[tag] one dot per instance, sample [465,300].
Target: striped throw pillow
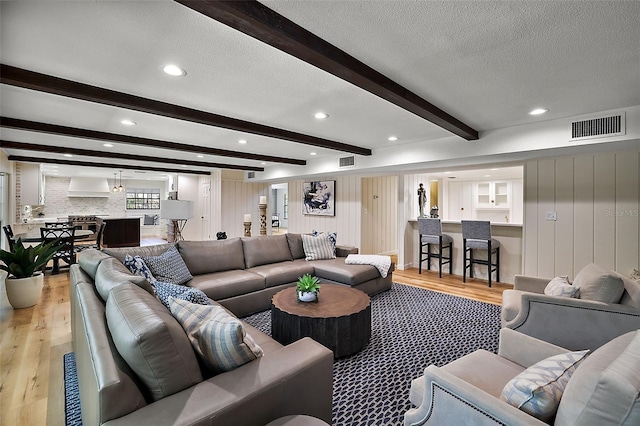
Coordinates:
[217,337]
[318,247]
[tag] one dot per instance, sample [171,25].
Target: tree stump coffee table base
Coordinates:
[340,320]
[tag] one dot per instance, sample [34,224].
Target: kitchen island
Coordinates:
[121,232]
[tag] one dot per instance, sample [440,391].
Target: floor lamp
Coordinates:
[178,212]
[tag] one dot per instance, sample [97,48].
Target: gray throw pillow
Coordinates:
[597,284]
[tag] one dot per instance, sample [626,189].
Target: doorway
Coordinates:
[279,208]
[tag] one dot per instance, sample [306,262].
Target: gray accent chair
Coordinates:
[573,323]
[604,389]
[431,233]
[476,235]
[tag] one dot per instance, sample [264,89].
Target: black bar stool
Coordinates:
[431,233]
[476,235]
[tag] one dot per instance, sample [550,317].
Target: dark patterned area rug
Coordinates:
[411,329]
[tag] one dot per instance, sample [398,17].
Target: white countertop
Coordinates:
[457,222]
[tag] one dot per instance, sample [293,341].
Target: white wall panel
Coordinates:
[379,215]
[238,199]
[546,228]
[604,198]
[583,207]
[530,231]
[564,209]
[626,213]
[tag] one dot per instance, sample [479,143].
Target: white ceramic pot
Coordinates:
[24,292]
[307,296]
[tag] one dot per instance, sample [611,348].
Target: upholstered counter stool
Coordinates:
[476,235]
[298,420]
[431,233]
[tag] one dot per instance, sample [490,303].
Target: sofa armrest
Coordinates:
[344,251]
[449,400]
[575,324]
[525,350]
[530,284]
[297,379]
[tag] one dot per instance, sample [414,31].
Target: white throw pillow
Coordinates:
[538,389]
[560,286]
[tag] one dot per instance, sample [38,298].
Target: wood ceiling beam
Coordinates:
[53,129]
[123,156]
[59,86]
[264,24]
[103,165]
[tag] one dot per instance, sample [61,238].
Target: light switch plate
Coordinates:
[550,216]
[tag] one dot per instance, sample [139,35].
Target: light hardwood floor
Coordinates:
[33,340]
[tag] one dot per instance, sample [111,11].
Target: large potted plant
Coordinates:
[24,268]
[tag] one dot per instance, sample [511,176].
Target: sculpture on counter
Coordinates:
[434,212]
[422,199]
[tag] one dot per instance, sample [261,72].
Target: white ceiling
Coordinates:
[487,63]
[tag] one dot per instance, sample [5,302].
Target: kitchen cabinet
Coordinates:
[31,184]
[121,232]
[460,201]
[493,195]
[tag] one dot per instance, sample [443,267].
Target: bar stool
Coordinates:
[476,235]
[431,233]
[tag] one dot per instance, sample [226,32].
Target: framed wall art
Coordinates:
[319,198]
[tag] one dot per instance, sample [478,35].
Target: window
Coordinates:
[143,199]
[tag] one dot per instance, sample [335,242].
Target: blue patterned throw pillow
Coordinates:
[137,266]
[169,267]
[217,337]
[166,290]
[538,389]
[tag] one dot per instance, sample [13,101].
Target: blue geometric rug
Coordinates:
[411,328]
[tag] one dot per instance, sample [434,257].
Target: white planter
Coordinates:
[24,292]
[307,296]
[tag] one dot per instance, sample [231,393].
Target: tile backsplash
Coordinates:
[58,204]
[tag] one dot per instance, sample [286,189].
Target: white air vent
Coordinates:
[251,175]
[348,161]
[598,127]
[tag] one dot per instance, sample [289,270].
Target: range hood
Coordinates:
[88,187]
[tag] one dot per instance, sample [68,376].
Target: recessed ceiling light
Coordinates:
[128,122]
[242,141]
[68,155]
[538,111]
[174,70]
[446,173]
[392,138]
[108,145]
[184,165]
[494,169]
[200,156]
[320,115]
[263,162]
[313,153]
[487,175]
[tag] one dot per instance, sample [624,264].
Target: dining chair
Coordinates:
[8,232]
[58,224]
[93,245]
[476,235]
[431,233]
[66,238]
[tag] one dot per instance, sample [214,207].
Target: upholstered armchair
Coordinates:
[601,391]
[607,305]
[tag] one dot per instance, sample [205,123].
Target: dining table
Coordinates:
[33,236]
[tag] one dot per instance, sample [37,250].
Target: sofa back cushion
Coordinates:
[120,252]
[631,295]
[604,389]
[111,274]
[597,284]
[151,341]
[265,249]
[205,257]
[295,245]
[90,259]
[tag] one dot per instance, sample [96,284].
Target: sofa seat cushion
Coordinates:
[599,285]
[604,389]
[472,368]
[222,285]
[283,272]
[511,304]
[151,341]
[265,249]
[337,270]
[205,257]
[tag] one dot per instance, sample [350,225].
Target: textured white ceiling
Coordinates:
[485,62]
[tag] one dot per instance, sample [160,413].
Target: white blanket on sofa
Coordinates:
[382,263]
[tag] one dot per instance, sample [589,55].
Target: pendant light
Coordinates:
[120,188]
[115,188]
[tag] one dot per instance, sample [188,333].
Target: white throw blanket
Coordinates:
[382,263]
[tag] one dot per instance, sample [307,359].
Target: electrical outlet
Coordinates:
[550,216]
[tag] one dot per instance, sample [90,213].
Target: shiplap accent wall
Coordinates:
[379,233]
[596,200]
[237,199]
[348,209]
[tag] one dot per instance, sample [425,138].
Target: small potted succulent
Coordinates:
[307,288]
[24,268]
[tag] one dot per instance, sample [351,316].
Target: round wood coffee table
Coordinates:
[340,320]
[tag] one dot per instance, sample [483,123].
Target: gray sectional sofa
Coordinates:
[162,381]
